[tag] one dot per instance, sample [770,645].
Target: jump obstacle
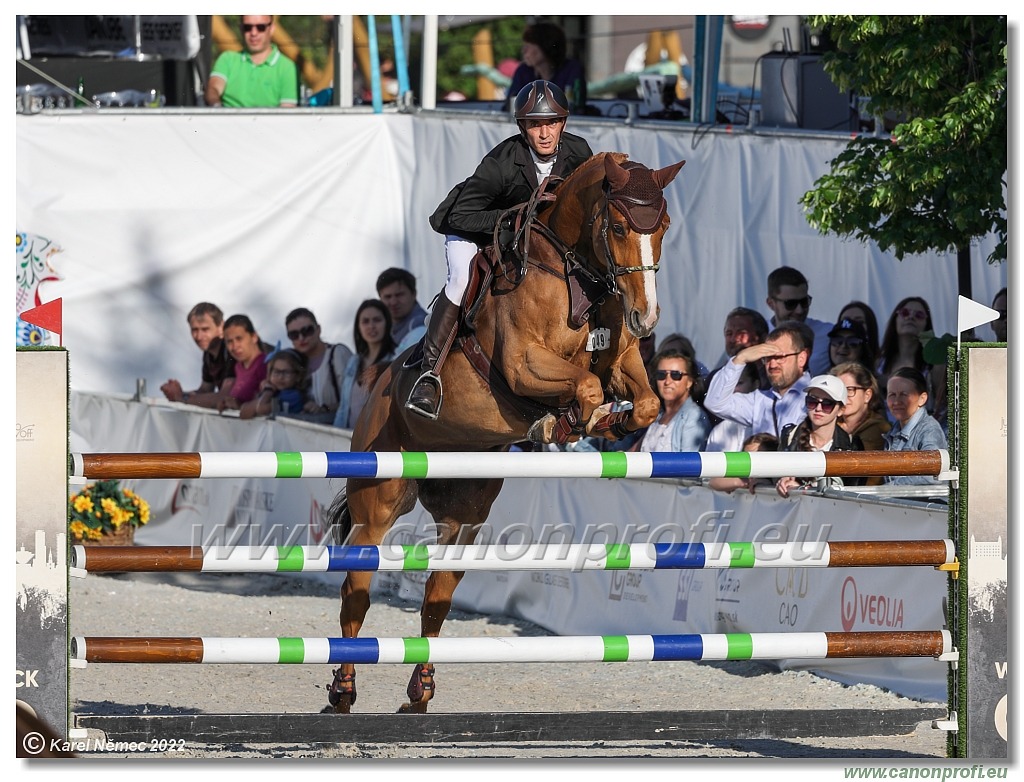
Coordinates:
[734,646]
[572,557]
[455,464]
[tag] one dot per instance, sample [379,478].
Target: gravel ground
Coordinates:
[270,605]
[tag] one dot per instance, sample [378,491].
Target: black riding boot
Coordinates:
[425,398]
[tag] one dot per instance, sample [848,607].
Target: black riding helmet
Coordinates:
[540,99]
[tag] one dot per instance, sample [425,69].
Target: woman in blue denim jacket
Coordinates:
[682,424]
[374,346]
[914,430]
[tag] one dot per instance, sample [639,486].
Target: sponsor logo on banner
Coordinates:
[867,609]
[625,586]
[24,433]
[792,585]
[555,580]
[684,588]
[727,601]
[189,496]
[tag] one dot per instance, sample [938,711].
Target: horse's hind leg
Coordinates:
[373,507]
[459,508]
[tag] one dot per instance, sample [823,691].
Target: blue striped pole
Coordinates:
[596,648]
[418,464]
[508,557]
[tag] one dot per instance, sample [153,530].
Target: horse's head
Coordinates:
[628,233]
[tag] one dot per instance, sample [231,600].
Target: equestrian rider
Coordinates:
[506,177]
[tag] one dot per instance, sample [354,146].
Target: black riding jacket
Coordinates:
[505,178]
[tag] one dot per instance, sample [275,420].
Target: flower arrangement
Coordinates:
[103,508]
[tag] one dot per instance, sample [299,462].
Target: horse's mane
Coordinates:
[595,163]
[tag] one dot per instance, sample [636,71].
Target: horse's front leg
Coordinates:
[459,508]
[543,374]
[628,381]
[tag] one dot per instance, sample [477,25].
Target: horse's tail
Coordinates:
[339,518]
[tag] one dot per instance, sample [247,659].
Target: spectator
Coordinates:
[682,425]
[819,431]
[755,442]
[863,314]
[743,327]
[862,415]
[729,435]
[544,55]
[784,356]
[325,365]
[999,324]
[848,341]
[374,345]
[902,346]
[914,430]
[206,322]
[249,353]
[397,289]
[508,175]
[284,389]
[788,300]
[259,76]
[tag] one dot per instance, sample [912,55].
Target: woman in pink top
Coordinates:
[247,350]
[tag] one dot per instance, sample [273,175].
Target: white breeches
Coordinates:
[459,253]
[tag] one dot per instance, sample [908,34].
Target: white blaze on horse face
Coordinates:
[650,315]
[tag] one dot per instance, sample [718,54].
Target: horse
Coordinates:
[553,333]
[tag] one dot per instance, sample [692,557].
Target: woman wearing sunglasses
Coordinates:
[325,365]
[682,424]
[902,347]
[819,431]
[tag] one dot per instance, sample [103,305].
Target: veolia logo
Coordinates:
[876,610]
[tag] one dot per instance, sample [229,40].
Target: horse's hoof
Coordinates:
[342,708]
[341,693]
[421,683]
[542,431]
[413,708]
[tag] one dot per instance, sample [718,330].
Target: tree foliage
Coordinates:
[939,182]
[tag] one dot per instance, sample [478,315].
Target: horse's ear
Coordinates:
[665,175]
[616,175]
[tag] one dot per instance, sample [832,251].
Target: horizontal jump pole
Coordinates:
[542,649]
[568,556]
[490,464]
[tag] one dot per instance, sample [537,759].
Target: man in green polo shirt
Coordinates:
[259,76]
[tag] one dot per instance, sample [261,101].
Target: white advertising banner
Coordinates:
[293,511]
[154,210]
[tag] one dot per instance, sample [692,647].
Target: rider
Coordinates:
[506,177]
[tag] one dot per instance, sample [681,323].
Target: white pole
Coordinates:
[346,54]
[428,90]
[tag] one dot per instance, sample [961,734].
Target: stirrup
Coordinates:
[427,412]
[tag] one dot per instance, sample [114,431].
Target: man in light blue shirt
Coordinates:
[784,355]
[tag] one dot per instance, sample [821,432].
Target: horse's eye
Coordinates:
[618,229]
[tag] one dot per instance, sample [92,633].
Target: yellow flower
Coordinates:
[82,503]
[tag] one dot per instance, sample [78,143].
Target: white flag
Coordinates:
[970,314]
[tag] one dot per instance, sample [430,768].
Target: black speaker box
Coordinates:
[797,93]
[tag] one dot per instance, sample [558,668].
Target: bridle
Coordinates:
[643,215]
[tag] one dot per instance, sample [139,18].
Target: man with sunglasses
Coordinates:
[788,300]
[261,76]
[784,357]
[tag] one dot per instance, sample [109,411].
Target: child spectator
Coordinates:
[283,392]
[762,441]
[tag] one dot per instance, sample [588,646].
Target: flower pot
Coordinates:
[125,536]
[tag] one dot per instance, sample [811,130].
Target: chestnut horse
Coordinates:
[545,343]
